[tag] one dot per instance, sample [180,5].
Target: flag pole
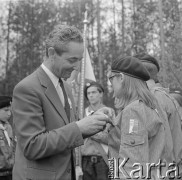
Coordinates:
[81,102]
[82,79]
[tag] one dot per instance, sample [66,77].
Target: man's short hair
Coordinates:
[60,36]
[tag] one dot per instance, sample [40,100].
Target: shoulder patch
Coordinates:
[133,126]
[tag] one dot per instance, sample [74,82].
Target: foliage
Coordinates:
[126,27]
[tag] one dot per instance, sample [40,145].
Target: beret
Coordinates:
[130,66]
[5,101]
[148,58]
[94,84]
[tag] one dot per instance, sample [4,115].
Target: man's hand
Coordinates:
[93,124]
[108,111]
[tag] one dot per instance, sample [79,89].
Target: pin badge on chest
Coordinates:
[133,126]
[69,101]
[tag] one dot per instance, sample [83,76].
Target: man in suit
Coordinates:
[44,113]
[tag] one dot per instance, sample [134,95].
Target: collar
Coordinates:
[151,83]
[53,78]
[158,85]
[90,109]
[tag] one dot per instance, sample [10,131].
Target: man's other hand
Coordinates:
[108,111]
[93,124]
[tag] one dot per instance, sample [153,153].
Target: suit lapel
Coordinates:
[51,94]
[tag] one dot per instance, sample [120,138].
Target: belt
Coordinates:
[93,159]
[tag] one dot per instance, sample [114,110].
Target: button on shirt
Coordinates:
[55,81]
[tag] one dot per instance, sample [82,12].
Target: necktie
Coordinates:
[66,103]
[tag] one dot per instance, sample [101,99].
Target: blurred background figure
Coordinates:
[177,94]
[95,149]
[167,104]
[6,139]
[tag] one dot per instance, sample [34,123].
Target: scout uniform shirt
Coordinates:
[170,107]
[137,137]
[6,149]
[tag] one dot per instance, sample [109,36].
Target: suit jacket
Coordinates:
[45,137]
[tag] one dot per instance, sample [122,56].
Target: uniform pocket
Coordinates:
[134,147]
[133,140]
[45,164]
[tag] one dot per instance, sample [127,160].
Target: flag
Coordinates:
[89,73]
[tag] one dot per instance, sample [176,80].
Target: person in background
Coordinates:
[44,112]
[138,134]
[95,149]
[177,95]
[6,139]
[167,104]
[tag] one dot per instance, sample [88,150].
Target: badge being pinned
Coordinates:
[69,101]
[133,128]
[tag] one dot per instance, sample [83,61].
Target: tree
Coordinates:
[115,27]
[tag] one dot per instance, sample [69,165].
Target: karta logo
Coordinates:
[123,169]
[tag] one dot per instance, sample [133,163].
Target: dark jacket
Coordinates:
[45,137]
[6,150]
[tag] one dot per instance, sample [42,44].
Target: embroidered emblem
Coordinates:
[133,128]
[88,84]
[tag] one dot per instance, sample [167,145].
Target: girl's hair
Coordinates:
[133,89]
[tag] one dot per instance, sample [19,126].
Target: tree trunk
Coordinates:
[99,43]
[114,29]
[123,27]
[162,36]
[7,50]
[134,43]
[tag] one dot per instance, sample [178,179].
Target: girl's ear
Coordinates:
[51,52]
[122,76]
